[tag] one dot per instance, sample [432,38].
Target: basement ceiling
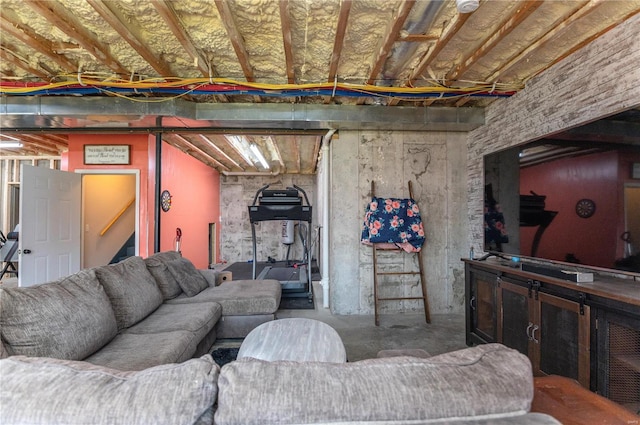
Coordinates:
[326,63]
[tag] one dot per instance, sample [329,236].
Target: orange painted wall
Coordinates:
[195,202]
[140,146]
[195,188]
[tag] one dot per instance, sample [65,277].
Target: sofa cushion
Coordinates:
[187,276]
[489,381]
[67,319]
[240,297]
[140,351]
[198,318]
[132,290]
[49,391]
[157,265]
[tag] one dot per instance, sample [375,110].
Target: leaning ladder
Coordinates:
[377,273]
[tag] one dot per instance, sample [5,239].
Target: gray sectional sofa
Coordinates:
[127,343]
[134,314]
[488,384]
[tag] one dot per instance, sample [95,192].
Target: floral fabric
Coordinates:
[495,232]
[393,221]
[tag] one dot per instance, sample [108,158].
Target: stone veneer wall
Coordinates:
[435,163]
[600,79]
[236,194]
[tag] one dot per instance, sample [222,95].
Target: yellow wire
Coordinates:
[174,82]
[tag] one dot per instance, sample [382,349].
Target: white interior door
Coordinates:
[49,241]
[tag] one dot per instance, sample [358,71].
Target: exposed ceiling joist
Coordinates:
[188,147]
[561,26]
[6,54]
[219,151]
[64,20]
[39,44]
[390,38]
[115,19]
[520,13]
[286,39]
[236,39]
[63,54]
[165,10]
[449,32]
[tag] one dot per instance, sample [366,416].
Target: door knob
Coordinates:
[26,251]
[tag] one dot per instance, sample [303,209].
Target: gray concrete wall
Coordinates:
[236,194]
[435,162]
[598,80]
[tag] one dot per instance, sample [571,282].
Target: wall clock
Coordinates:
[165,200]
[585,208]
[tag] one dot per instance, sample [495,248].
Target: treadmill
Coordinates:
[283,204]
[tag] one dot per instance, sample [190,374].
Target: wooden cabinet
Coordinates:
[552,331]
[481,307]
[618,351]
[588,332]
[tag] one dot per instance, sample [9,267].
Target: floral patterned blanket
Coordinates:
[393,223]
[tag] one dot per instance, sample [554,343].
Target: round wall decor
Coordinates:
[585,208]
[165,200]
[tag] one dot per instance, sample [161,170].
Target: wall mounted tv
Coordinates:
[573,197]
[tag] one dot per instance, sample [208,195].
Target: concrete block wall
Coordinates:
[435,162]
[236,194]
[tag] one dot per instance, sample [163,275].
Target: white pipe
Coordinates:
[326,140]
[250,173]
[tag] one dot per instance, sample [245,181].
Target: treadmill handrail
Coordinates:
[303,192]
[255,198]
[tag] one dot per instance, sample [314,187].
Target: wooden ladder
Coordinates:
[377,273]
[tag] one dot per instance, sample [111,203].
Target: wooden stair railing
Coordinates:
[117,217]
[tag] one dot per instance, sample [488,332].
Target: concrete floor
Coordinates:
[362,339]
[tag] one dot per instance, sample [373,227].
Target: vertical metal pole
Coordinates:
[255,255]
[158,181]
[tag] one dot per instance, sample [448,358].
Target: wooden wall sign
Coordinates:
[107,154]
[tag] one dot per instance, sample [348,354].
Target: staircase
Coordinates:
[127,250]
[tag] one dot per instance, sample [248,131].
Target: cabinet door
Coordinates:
[618,342]
[483,306]
[515,325]
[562,338]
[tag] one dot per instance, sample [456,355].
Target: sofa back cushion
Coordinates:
[132,290]
[489,380]
[49,391]
[157,265]
[187,276]
[67,319]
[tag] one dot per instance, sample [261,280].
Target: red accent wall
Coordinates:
[195,202]
[195,188]
[564,182]
[139,160]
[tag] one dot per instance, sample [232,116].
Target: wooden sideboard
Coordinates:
[589,332]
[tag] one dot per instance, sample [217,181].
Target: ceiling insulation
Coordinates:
[413,53]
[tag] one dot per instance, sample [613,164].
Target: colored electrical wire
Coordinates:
[75,84]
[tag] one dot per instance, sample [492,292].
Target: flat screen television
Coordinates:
[573,197]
